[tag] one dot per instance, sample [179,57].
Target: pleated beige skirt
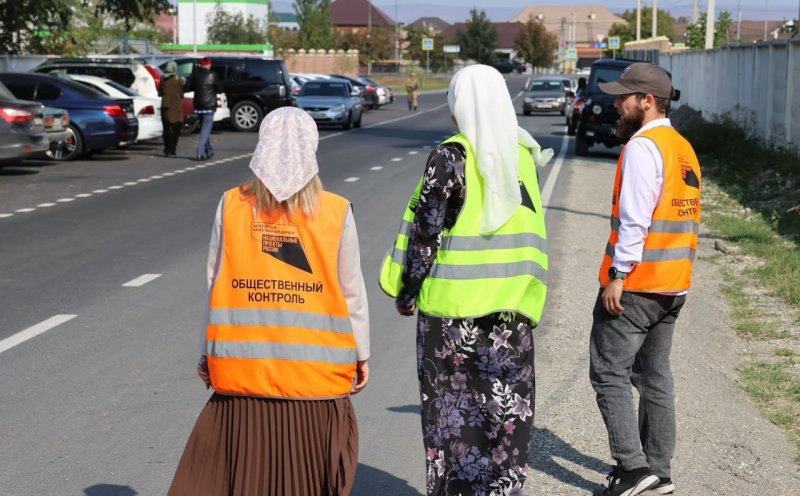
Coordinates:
[244,446]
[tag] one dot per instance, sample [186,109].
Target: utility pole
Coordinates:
[396,39]
[710,17]
[638,20]
[766,13]
[369,38]
[655,19]
[696,11]
[739,23]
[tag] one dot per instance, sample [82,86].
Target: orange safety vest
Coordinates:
[671,241]
[279,326]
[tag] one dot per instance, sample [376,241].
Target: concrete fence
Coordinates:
[321,61]
[756,85]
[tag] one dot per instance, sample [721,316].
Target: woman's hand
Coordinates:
[362,376]
[202,371]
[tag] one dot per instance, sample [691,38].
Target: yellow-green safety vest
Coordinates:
[473,274]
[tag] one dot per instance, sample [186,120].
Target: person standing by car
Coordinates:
[645,275]
[205,85]
[171,93]
[287,335]
[412,85]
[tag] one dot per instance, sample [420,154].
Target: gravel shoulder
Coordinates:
[724,446]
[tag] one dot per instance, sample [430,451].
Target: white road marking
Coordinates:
[413,152]
[169,173]
[65,200]
[396,159]
[83,195]
[377,167]
[141,280]
[3,216]
[115,187]
[33,331]
[143,180]
[45,205]
[547,190]
[130,183]
[351,179]
[156,177]
[25,210]
[100,191]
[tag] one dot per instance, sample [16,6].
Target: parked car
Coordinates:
[546,94]
[97,122]
[507,66]
[191,121]
[254,86]
[597,122]
[147,110]
[384,93]
[574,107]
[370,99]
[22,130]
[142,78]
[332,102]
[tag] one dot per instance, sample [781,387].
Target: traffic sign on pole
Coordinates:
[613,42]
[427,44]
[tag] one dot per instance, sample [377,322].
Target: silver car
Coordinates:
[332,102]
[546,94]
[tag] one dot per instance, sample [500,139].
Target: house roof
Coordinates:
[430,24]
[506,32]
[356,13]
[750,31]
[590,20]
[284,17]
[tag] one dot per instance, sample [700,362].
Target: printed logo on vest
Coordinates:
[688,175]
[282,241]
[526,198]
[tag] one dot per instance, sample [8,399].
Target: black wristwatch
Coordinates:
[613,273]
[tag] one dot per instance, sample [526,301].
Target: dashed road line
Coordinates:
[376,168]
[396,159]
[100,191]
[24,210]
[141,280]
[65,200]
[45,205]
[3,216]
[33,331]
[413,152]
[130,183]
[115,187]
[83,195]
[351,179]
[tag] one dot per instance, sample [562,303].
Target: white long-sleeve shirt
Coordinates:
[351,280]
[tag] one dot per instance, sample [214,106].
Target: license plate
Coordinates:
[317,115]
[544,105]
[37,122]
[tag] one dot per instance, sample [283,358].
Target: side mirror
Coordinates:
[581,83]
[676,96]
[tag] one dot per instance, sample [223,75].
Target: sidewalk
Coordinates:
[724,446]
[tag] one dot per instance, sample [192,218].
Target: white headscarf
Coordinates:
[480,102]
[285,159]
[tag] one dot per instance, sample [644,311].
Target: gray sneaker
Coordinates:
[665,486]
[629,483]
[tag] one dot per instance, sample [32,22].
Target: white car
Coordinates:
[147,110]
[222,111]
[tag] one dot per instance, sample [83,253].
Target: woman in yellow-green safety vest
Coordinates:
[471,255]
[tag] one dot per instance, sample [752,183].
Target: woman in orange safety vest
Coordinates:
[287,334]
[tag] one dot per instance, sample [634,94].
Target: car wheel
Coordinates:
[70,149]
[526,112]
[357,123]
[246,116]
[349,122]
[581,146]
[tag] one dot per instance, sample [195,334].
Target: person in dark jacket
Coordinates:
[205,85]
[171,92]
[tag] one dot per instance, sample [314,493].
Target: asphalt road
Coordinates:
[101,402]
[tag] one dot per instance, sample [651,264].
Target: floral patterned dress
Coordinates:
[476,375]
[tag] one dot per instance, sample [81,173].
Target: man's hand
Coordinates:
[202,371]
[407,312]
[362,376]
[611,296]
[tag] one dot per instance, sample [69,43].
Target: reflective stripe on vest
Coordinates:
[474,274]
[278,322]
[671,242]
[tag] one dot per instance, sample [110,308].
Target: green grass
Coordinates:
[427,83]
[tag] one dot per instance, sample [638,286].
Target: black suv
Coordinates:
[506,66]
[597,121]
[254,86]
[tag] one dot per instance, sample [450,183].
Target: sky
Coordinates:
[502,10]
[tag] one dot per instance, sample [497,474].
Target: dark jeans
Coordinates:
[204,147]
[635,348]
[171,134]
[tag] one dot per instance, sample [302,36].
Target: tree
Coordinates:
[375,45]
[627,30]
[226,28]
[23,21]
[414,51]
[536,45]
[130,12]
[696,33]
[314,18]
[479,40]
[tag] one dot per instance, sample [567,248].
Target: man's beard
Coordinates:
[626,126]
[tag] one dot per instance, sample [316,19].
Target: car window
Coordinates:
[5,93]
[604,75]
[312,88]
[122,75]
[546,85]
[225,71]
[261,70]
[90,85]
[47,91]
[83,90]
[185,69]
[23,90]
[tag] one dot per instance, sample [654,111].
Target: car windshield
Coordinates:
[312,88]
[546,85]
[605,75]
[121,89]
[5,93]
